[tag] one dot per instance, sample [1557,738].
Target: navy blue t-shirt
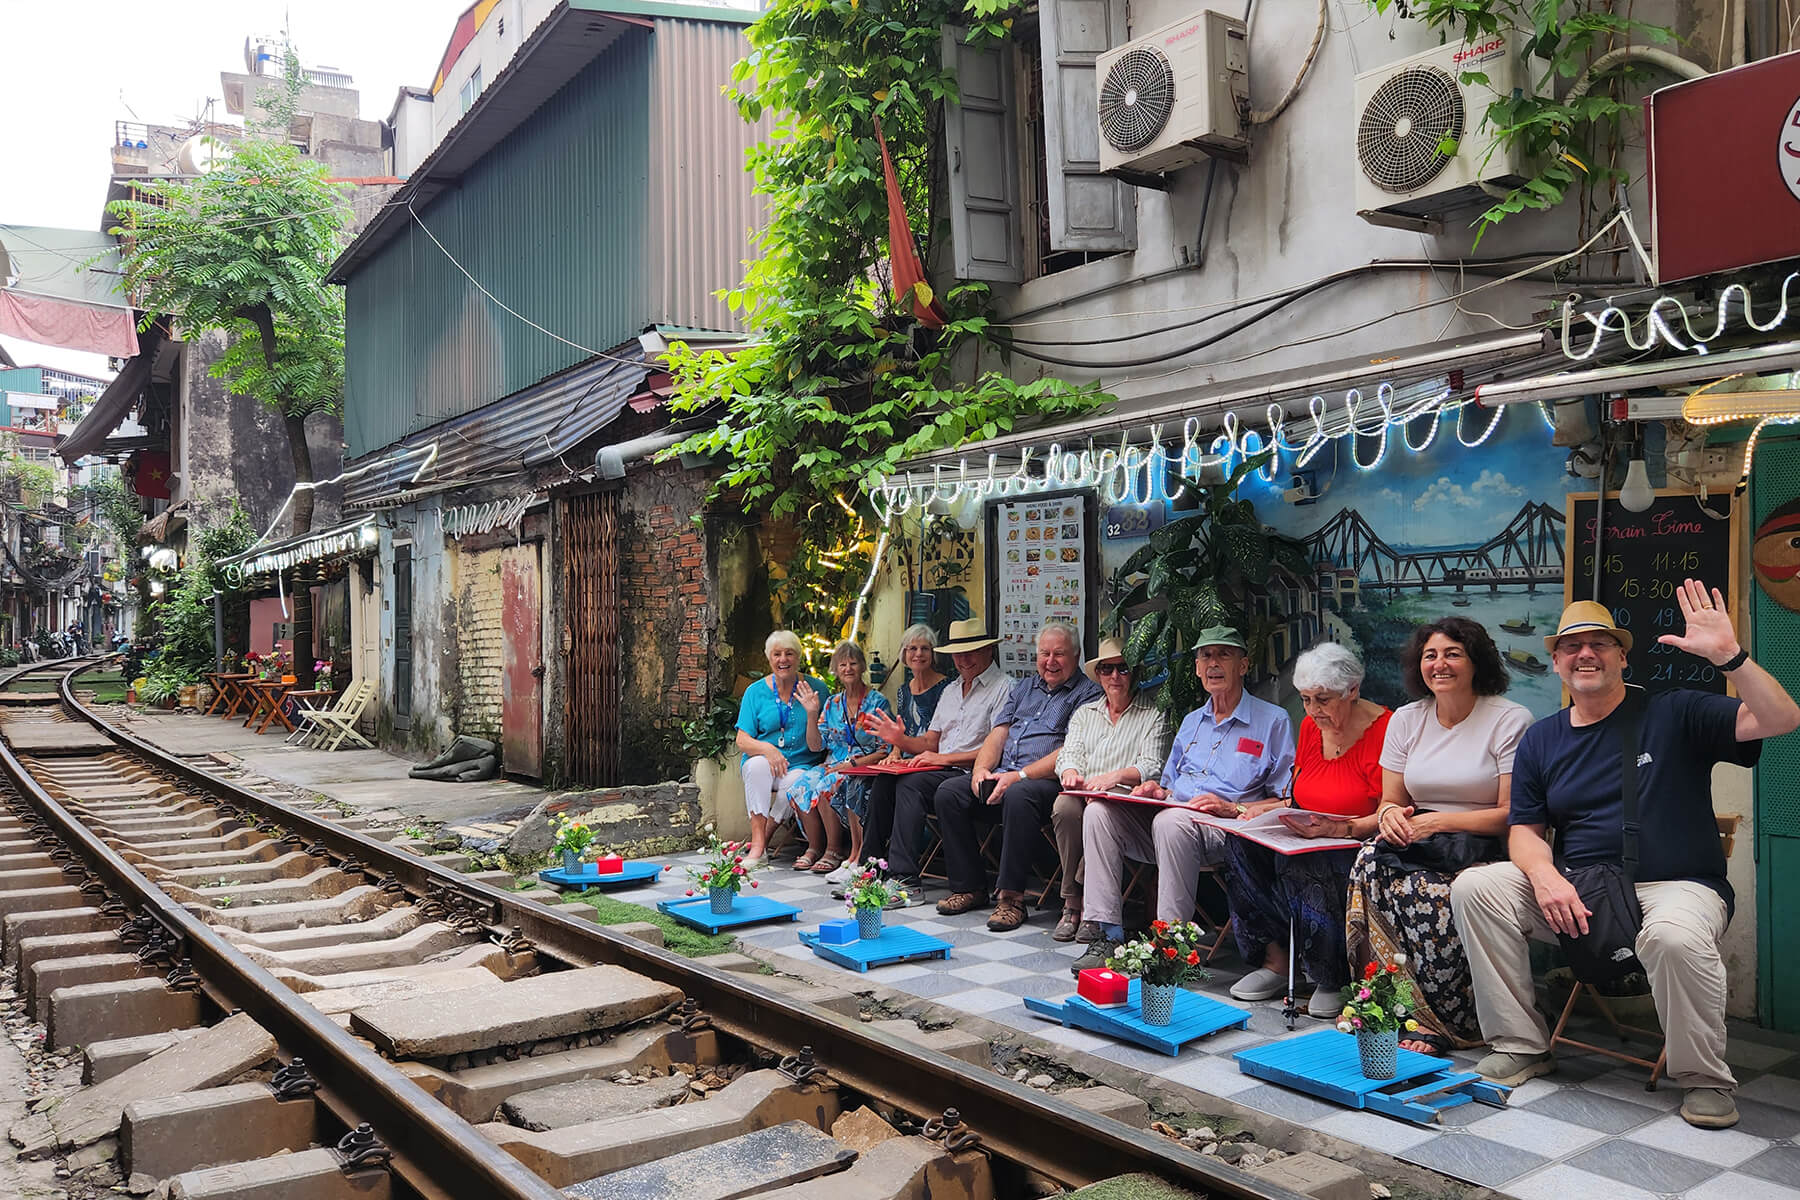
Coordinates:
[1568,778]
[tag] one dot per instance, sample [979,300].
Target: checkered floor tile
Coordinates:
[1589,1130]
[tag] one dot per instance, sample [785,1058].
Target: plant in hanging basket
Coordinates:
[1380,1002]
[724,867]
[867,889]
[1167,952]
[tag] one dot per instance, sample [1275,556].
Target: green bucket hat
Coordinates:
[1220,635]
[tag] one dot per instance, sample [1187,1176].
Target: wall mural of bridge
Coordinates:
[1527,551]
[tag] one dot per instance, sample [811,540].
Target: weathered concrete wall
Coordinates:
[434,642]
[627,820]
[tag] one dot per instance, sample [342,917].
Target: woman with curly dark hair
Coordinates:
[1446,771]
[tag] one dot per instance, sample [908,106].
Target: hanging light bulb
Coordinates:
[1637,494]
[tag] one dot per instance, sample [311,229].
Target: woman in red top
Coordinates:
[1337,773]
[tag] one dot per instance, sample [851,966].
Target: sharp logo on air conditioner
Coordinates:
[1487,47]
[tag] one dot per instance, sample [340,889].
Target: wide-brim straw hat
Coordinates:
[1110,648]
[968,635]
[1585,616]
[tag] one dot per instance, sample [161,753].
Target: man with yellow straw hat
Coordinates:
[1637,880]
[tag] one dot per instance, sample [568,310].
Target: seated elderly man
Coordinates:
[1233,757]
[1579,771]
[1014,781]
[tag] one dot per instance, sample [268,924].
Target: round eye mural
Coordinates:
[1776,555]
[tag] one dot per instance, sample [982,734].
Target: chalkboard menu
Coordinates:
[1643,558]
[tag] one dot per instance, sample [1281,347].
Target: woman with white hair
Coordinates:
[778,731]
[830,802]
[1337,774]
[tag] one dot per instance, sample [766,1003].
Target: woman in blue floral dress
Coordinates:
[829,802]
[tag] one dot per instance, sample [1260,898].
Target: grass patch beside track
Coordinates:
[681,939]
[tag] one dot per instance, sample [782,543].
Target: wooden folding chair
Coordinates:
[1727,827]
[313,723]
[339,723]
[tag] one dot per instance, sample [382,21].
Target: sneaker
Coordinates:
[839,876]
[1260,984]
[1326,1003]
[960,903]
[1068,925]
[1089,932]
[1095,956]
[1709,1108]
[1510,1070]
[1009,914]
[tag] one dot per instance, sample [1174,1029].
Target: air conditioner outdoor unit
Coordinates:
[1407,111]
[1175,96]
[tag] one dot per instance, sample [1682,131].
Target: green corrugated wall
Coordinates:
[424,345]
[1774,481]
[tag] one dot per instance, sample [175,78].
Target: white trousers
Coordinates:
[1496,912]
[765,795]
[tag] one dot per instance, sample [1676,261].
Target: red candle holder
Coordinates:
[1099,985]
[612,864]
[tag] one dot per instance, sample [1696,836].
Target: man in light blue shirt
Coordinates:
[1233,757]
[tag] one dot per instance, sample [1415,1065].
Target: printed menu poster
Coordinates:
[1042,573]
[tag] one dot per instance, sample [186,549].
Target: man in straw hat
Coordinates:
[1232,757]
[1013,781]
[964,716]
[1568,775]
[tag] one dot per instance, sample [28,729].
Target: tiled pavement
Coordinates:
[1590,1130]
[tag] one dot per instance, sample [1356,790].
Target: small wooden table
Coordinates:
[301,700]
[267,695]
[231,691]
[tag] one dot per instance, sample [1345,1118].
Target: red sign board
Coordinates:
[1725,169]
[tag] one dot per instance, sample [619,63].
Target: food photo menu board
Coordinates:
[1041,562]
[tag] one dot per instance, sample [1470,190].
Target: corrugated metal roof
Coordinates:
[534,426]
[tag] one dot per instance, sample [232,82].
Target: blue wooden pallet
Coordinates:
[1326,1064]
[897,943]
[639,871]
[745,910]
[1194,1016]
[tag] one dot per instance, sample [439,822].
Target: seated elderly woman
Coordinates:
[1337,775]
[829,802]
[1446,784]
[778,731]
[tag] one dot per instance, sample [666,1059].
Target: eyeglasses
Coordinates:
[1572,645]
[1112,668]
[1319,701]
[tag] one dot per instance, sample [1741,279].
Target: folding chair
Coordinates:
[339,724]
[311,723]
[1727,827]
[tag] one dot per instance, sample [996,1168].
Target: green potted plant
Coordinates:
[1376,1008]
[1198,571]
[868,896]
[571,838]
[1161,959]
[723,875]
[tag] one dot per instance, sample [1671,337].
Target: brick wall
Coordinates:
[479,643]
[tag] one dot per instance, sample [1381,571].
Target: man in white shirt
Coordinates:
[964,717]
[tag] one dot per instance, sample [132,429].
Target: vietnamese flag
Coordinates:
[903,252]
[150,474]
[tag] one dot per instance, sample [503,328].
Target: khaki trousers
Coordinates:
[1168,837]
[1496,911]
[1065,819]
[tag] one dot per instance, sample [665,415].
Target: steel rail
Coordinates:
[1035,1130]
[435,1151]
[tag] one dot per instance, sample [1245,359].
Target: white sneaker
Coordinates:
[1260,984]
[841,875]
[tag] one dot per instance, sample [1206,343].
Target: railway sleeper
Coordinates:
[357,903]
[48,975]
[165,1136]
[307,1175]
[102,1060]
[90,1012]
[18,928]
[390,924]
[499,964]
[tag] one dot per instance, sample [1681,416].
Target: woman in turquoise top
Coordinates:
[778,731]
[829,802]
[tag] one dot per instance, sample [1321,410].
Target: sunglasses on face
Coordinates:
[1111,668]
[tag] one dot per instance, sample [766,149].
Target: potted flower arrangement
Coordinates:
[322,674]
[723,875]
[868,896]
[1376,1008]
[572,838]
[1162,958]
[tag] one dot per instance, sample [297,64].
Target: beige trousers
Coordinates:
[1496,912]
[1112,833]
[1065,821]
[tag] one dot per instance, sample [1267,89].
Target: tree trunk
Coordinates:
[303,575]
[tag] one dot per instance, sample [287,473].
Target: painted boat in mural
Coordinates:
[1460,602]
[1518,627]
[1531,664]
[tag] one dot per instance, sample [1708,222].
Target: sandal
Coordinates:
[831,861]
[1434,1043]
[805,862]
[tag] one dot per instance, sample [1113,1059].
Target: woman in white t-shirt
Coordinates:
[1446,770]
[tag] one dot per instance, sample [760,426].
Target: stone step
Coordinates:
[586,1100]
[164,1136]
[307,1175]
[526,1010]
[753,1101]
[225,1050]
[475,1092]
[779,1156]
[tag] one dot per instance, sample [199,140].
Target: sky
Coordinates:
[73,67]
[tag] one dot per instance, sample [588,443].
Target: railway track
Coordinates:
[273,1003]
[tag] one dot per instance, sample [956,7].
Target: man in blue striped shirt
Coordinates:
[1232,757]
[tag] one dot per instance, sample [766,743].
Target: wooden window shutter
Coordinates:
[1088,210]
[981,140]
